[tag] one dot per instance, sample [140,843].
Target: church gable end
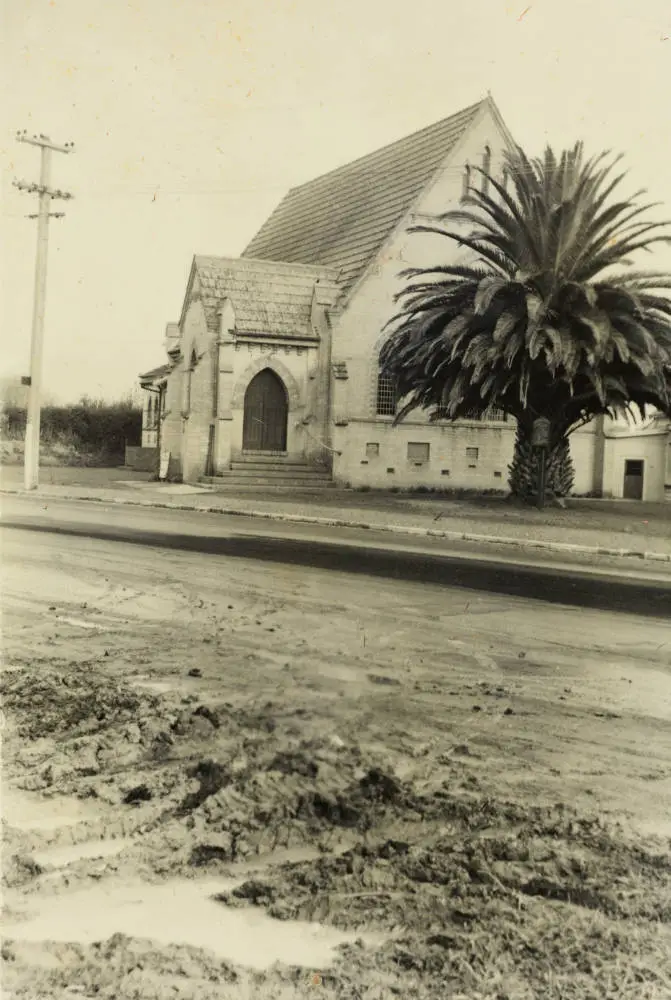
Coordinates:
[343,218]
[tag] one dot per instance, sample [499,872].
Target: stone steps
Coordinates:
[271,473]
[224,484]
[253,469]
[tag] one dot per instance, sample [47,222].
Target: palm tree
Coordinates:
[543,322]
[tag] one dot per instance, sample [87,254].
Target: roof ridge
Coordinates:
[472,109]
[342,217]
[266,262]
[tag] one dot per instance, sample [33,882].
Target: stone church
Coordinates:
[272,372]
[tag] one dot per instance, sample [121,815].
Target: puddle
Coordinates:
[161,687]
[660,828]
[29,811]
[180,912]
[68,854]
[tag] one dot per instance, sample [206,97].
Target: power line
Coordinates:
[45,196]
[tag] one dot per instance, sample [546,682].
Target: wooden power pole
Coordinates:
[46,194]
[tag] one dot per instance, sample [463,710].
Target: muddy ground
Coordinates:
[228,779]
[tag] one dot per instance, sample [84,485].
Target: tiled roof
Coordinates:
[267,297]
[342,218]
[156,373]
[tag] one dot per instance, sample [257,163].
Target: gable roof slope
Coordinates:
[342,218]
[268,297]
[155,373]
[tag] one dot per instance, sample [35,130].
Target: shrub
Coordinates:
[87,428]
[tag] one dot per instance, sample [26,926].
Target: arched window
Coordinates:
[189,381]
[466,183]
[387,395]
[486,166]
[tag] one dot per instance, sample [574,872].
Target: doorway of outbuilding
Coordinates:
[633,479]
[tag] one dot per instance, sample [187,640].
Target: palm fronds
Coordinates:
[540,322]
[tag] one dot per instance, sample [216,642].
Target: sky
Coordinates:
[192,118]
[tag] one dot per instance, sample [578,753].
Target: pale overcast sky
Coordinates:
[193,117]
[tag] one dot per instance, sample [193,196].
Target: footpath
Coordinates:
[586,527]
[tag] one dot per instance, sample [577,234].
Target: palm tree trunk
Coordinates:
[523,471]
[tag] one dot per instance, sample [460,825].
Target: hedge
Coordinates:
[90,427]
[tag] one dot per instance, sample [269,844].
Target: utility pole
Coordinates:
[46,194]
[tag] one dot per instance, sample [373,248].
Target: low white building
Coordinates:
[273,366]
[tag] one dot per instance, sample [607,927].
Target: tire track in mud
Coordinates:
[334,781]
[426,863]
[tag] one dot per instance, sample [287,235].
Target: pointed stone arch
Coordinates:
[276,366]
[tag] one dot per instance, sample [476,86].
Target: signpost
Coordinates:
[540,442]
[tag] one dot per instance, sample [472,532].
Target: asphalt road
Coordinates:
[607,587]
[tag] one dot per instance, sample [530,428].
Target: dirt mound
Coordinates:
[286,800]
[619,880]
[55,702]
[479,900]
[138,969]
[81,724]
[362,804]
[294,762]
[488,897]
[211,777]
[18,869]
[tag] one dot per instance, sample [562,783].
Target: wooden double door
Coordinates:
[266,414]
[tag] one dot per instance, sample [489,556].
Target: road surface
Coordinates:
[611,585]
[297,664]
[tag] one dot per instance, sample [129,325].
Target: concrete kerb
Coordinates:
[395,529]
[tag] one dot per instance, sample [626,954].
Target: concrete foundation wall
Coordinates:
[470,455]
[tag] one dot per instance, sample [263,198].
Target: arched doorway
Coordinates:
[266,413]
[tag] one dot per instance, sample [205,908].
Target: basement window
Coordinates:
[418,452]
[497,475]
